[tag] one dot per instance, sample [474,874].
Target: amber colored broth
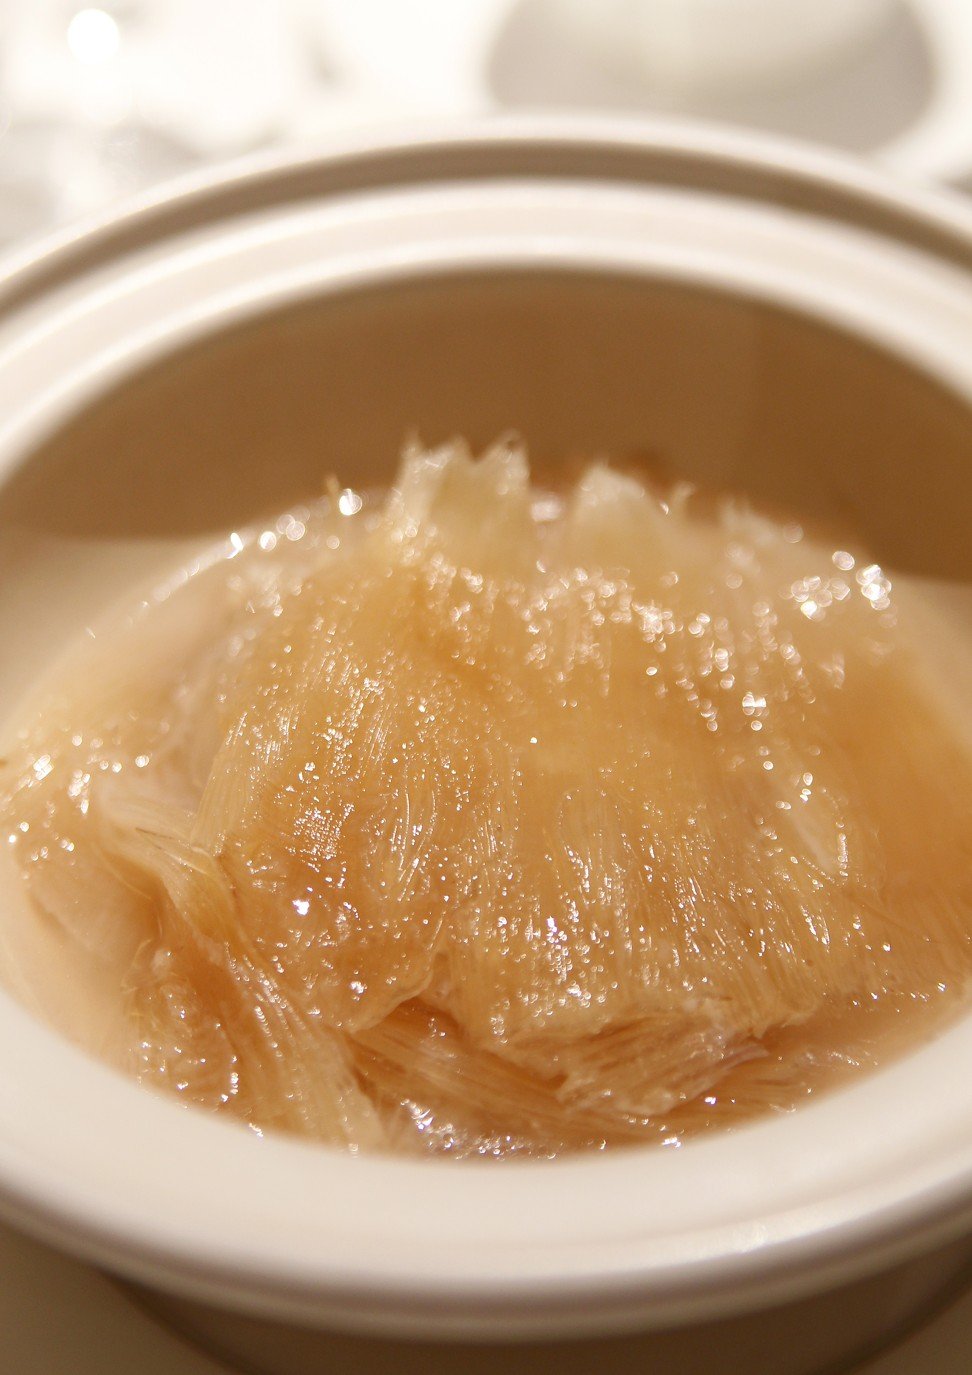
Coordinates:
[917,776]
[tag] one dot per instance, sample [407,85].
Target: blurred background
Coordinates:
[101,100]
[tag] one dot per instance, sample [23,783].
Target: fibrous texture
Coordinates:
[482,819]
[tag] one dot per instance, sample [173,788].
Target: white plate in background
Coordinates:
[89,122]
[903,98]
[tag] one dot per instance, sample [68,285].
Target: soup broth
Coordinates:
[484,817]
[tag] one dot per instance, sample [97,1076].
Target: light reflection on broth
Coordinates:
[492,820]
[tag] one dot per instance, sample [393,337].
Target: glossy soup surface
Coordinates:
[482,818]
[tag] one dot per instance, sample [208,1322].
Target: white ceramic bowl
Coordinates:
[762,317]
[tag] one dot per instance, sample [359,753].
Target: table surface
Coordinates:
[59,1317]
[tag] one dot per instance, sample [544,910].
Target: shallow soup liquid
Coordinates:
[482,818]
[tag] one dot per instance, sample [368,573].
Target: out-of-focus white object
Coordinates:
[103,98]
[896,87]
[426,59]
[890,79]
[937,145]
[218,77]
[223,75]
[720,45]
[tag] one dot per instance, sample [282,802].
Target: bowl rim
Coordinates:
[603,147]
[815,1248]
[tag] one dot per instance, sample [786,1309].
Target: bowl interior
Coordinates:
[694,381]
[697,381]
